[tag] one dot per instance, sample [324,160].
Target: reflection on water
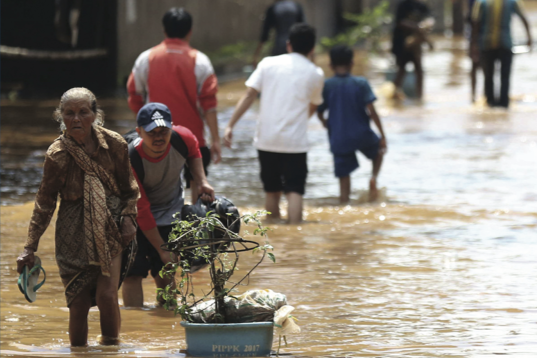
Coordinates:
[444,266]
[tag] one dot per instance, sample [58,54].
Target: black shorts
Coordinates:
[285,172]
[206,158]
[147,257]
[404,57]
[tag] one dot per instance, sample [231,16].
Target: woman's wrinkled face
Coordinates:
[78,118]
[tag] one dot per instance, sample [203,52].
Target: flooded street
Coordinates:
[443,265]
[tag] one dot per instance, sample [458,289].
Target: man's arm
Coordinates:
[317,96]
[204,189]
[320,115]
[147,223]
[312,109]
[212,123]
[245,102]
[526,26]
[207,89]
[375,117]
[157,241]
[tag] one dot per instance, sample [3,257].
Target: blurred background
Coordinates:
[50,45]
[443,265]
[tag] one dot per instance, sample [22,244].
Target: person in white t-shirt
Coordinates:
[291,89]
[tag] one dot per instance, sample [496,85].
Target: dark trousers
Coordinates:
[489,59]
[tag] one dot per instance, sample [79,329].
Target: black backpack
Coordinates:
[136,161]
[225,210]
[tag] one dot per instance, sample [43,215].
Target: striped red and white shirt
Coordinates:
[179,76]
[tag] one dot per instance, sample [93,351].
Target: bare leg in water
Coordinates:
[473,76]
[272,204]
[398,82]
[418,69]
[78,319]
[294,208]
[373,190]
[344,189]
[106,296]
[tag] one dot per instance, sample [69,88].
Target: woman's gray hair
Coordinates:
[79,93]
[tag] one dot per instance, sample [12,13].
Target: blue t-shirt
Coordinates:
[494,18]
[346,97]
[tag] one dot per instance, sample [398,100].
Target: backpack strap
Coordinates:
[136,162]
[179,144]
[131,136]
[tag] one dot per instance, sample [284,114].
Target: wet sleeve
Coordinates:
[268,23]
[324,106]
[190,140]
[127,184]
[207,96]
[256,78]
[145,218]
[135,100]
[368,95]
[45,201]
[206,81]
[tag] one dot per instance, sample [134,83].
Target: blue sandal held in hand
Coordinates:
[28,280]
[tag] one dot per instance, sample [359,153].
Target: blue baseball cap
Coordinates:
[154,115]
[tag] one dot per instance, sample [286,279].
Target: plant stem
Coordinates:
[219,283]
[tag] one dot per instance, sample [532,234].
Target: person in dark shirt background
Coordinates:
[492,43]
[475,59]
[408,35]
[280,16]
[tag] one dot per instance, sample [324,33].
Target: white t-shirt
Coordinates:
[288,84]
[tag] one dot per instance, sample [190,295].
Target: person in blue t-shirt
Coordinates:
[349,101]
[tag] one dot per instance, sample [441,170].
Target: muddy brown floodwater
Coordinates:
[443,265]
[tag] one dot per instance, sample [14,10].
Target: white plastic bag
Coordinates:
[251,306]
[284,322]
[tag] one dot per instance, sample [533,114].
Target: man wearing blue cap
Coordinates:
[157,158]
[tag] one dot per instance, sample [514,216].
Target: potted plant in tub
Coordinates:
[216,322]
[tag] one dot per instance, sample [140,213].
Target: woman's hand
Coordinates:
[26,258]
[128,229]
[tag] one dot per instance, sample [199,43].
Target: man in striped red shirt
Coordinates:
[183,79]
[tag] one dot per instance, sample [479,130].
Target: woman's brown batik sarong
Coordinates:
[71,256]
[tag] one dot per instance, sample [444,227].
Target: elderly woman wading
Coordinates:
[89,167]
